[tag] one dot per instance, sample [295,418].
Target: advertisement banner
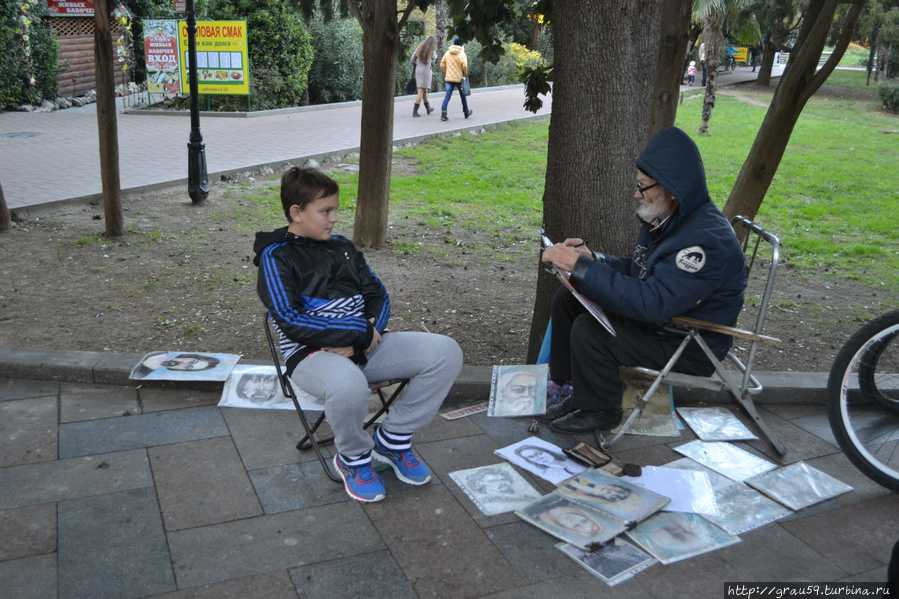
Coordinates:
[161,52]
[222,65]
[70,8]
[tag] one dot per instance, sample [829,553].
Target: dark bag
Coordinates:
[466,87]
[411,87]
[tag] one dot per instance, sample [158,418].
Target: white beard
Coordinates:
[652,215]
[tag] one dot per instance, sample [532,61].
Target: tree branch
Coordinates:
[838,50]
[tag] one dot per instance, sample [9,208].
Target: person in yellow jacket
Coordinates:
[455,64]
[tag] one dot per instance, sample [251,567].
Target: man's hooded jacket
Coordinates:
[691,266]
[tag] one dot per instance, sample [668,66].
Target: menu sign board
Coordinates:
[222,65]
[70,8]
[161,52]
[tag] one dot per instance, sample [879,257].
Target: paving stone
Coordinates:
[28,429]
[266,438]
[158,400]
[800,444]
[532,552]
[270,585]
[582,585]
[506,431]
[29,578]
[438,546]
[846,536]
[268,543]
[647,455]
[27,531]
[361,577]
[202,482]
[113,546]
[772,553]
[440,428]
[78,477]
[89,402]
[128,432]
[295,486]
[818,425]
[700,576]
[24,388]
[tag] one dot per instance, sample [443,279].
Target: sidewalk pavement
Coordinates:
[116,490]
[54,157]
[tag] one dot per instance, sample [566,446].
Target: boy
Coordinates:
[331,311]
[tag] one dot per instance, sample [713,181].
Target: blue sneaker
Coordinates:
[362,482]
[406,464]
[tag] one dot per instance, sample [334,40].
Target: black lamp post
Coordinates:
[197,180]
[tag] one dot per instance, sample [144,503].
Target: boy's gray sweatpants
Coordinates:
[430,362]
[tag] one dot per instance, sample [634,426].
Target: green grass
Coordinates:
[835,188]
[831,202]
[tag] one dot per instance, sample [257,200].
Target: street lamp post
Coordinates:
[197,180]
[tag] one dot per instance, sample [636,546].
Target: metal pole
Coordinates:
[197,180]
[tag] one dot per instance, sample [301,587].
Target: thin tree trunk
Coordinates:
[673,45]
[440,19]
[801,79]
[380,44]
[599,124]
[714,43]
[766,65]
[106,121]
[5,221]
[871,55]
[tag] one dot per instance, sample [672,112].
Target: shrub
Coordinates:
[889,95]
[336,73]
[508,69]
[15,85]
[280,49]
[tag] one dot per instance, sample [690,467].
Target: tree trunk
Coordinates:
[799,82]
[766,65]
[599,124]
[5,221]
[714,43]
[871,56]
[440,25]
[673,44]
[380,44]
[106,121]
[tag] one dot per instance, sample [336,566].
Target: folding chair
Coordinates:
[310,440]
[742,385]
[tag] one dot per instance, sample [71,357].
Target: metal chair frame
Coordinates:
[742,387]
[309,440]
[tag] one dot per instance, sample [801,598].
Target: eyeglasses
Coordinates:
[640,190]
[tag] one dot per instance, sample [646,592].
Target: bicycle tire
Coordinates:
[864,421]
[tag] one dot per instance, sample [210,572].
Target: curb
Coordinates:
[472,385]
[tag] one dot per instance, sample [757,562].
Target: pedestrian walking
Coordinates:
[702,62]
[455,64]
[421,62]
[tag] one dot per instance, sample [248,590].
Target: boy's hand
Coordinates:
[346,352]
[375,340]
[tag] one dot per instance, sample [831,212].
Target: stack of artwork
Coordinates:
[615,527]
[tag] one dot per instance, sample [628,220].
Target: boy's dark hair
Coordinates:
[302,186]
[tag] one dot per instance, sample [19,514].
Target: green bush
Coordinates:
[280,50]
[508,70]
[15,87]
[889,95]
[336,73]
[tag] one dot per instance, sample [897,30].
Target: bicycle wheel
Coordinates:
[863,400]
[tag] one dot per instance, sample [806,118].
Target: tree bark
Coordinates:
[380,44]
[673,43]
[766,65]
[599,124]
[801,79]
[106,121]
[714,43]
[440,24]
[5,221]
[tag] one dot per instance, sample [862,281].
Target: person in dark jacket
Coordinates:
[331,312]
[687,262]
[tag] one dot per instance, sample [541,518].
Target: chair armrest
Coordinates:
[685,321]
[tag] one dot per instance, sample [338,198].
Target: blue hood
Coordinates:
[672,159]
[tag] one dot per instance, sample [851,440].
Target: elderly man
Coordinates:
[687,262]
